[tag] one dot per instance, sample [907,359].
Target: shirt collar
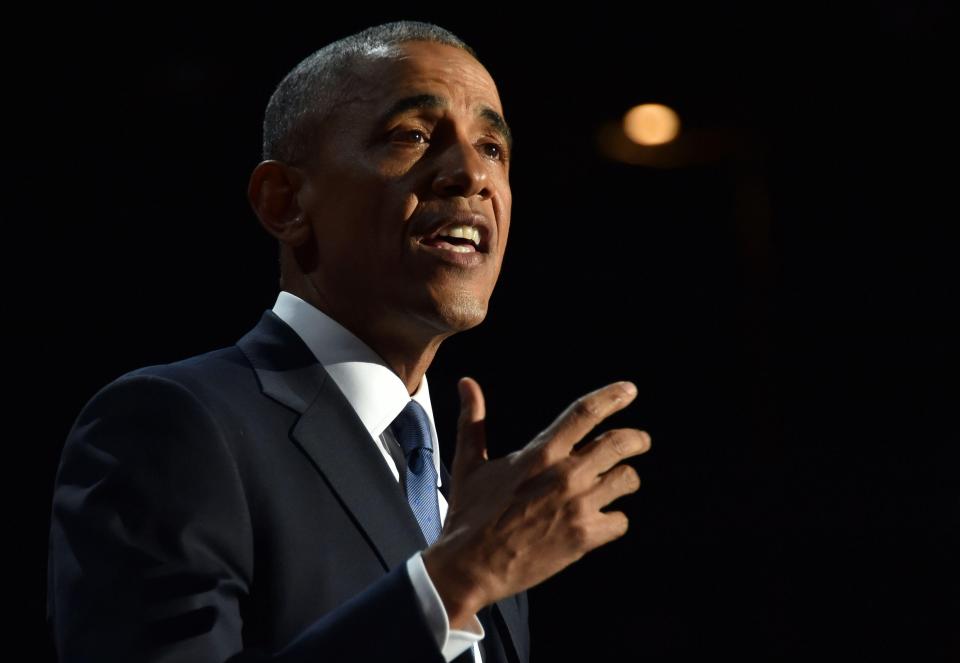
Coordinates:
[375,392]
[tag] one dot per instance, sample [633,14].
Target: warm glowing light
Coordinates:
[651,124]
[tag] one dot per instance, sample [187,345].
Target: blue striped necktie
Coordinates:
[412,430]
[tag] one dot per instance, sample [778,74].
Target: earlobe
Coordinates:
[272,192]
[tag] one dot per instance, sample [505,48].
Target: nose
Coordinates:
[461,172]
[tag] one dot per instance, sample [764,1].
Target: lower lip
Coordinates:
[470,259]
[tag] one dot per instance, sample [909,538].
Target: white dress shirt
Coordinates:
[378,395]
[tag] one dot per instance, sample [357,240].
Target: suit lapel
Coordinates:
[333,437]
[341,449]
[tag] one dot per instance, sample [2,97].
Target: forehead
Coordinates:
[426,68]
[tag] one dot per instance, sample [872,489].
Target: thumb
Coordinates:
[471,449]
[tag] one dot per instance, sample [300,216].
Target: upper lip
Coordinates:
[436,223]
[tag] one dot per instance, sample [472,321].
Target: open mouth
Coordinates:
[459,238]
[456,244]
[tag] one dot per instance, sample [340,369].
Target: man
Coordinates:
[277,500]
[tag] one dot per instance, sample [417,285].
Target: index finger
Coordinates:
[584,414]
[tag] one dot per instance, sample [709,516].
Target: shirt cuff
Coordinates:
[450,642]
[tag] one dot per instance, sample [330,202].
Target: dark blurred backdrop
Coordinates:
[782,289]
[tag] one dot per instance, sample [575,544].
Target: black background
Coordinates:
[784,296]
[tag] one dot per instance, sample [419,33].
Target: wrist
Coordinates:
[458,588]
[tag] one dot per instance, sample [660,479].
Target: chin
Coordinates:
[460,311]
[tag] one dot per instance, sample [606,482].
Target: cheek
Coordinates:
[410,206]
[501,210]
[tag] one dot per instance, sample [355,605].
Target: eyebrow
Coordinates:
[433,102]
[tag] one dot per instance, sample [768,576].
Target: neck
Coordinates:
[406,345]
[408,358]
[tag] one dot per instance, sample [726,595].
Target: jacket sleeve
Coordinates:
[151,546]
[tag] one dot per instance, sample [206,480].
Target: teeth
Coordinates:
[464,232]
[460,249]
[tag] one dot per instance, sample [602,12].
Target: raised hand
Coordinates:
[515,521]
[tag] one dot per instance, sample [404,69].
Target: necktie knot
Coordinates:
[412,428]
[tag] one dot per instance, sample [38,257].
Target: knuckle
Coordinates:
[576,510]
[580,536]
[586,408]
[619,443]
[565,480]
[540,459]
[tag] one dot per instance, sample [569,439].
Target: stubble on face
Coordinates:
[457,309]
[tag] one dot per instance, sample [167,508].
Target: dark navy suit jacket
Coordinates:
[232,506]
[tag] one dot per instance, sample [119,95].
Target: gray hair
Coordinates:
[307,95]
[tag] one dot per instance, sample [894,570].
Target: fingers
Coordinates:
[613,525]
[621,480]
[611,447]
[584,414]
[601,530]
[471,448]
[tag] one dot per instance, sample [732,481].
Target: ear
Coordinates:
[272,192]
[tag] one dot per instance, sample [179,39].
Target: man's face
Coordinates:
[418,148]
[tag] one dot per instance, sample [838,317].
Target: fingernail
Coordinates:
[629,387]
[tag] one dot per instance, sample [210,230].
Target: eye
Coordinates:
[494,151]
[412,134]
